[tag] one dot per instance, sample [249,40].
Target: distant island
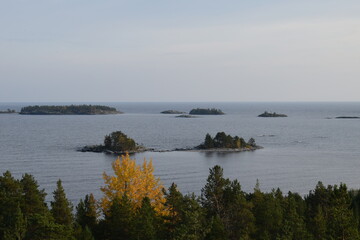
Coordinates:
[68,110]
[185,116]
[270,114]
[172,112]
[224,142]
[8,111]
[206,111]
[116,143]
[347,117]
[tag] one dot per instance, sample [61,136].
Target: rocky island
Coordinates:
[116,143]
[68,110]
[224,143]
[270,114]
[185,116]
[8,111]
[172,112]
[206,111]
[227,142]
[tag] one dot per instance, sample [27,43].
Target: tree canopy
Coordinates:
[133,181]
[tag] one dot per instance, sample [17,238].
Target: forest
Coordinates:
[68,110]
[135,206]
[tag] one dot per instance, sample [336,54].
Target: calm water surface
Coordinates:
[299,151]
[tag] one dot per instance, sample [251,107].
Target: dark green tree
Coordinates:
[174,204]
[119,223]
[238,219]
[86,213]
[217,230]
[118,141]
[212,197]
[11,217]
[34,199]
[61,208]
[209,142]
[146,222]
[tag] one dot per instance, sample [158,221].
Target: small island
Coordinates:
[206,111]
[172,112]
[68,110]
[270,114]
[8,111]
[347,117]
[223,142]
[185,116]
[119,143]
[116,143]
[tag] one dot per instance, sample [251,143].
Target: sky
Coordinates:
[179,51]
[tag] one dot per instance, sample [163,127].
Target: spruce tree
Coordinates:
[34,199]
[61,208]
[10,199]
[86,213]
[119,220]
[146,222]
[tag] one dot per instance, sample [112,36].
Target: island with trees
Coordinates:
[272,114]
[172,112]
[68,110]
[347,117]
[223,142]
[206,111]
[116,143]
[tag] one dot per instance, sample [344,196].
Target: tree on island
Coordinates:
[221,140]
[119,142]
[206,111]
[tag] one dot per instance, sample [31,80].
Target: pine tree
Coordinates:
[212,193]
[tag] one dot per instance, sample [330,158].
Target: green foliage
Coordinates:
[119,223]
[119,142]
[86,213]
[146,222]
[204,111]
[221,140]
[10,199]
[185,219]
[61,208]
[224,212]
[68,110]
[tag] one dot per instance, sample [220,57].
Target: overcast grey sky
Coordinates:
[188,50]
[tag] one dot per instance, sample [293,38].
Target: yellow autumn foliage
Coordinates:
[136,181]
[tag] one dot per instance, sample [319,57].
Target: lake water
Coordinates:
[299,150]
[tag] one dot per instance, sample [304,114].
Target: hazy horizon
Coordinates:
[187,51]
